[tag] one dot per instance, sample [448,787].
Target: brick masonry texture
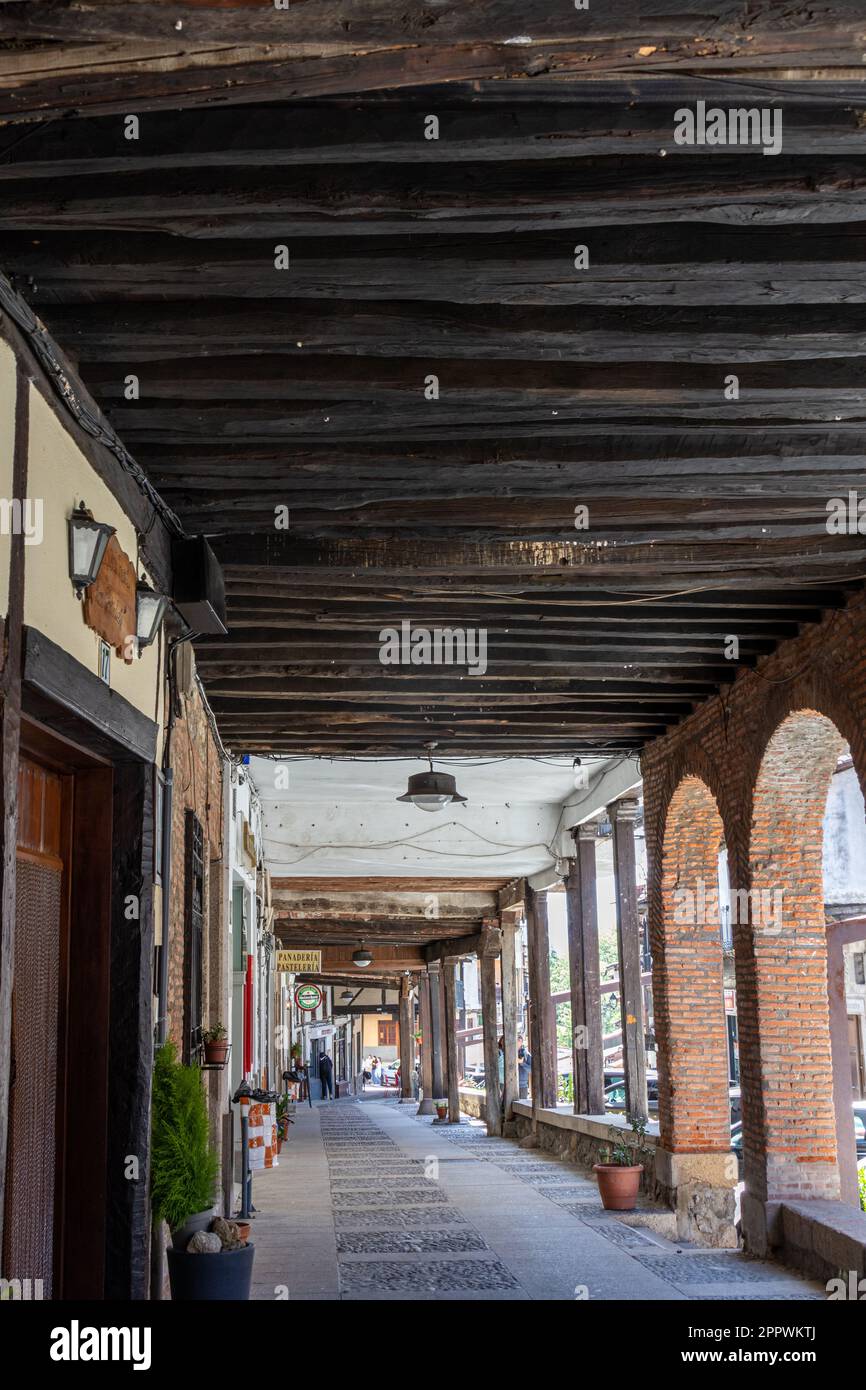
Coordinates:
[752,767]
[195,760]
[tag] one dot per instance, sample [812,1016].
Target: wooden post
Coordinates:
[585,976]
[492,1103]
[542,1036]
[426,1012]
[622,816]
[437,1028]
[450,1040]
[407,1051]
[508,965]
[10,715]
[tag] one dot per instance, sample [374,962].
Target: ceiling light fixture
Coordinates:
[430,791]
[362,957]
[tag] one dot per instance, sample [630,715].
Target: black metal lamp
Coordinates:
[149,612]
[363,957]
[87,542]
[430,791]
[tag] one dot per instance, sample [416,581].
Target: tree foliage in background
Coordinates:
[560,983]
[184,1166]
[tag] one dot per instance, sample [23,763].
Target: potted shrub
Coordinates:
[284,1102]
[184,1172]
[618,1175]
[216,1047]
[441,1107]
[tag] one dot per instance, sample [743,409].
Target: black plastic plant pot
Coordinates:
[205,1278]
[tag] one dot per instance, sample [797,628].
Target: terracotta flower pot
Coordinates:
[441,1111]
[618,1185]
[243,1229]
[215,1053]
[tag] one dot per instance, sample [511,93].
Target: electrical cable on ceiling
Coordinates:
[70,393]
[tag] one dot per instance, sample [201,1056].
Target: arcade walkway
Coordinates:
[370,1202]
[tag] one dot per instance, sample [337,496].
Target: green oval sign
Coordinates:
[308,997]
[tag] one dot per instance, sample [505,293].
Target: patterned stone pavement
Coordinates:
[373,1202]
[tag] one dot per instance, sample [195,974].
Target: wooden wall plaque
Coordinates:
[109,602]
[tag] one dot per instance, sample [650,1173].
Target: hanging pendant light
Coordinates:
[362,957]
[430,791]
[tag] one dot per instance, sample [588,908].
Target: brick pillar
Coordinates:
[789,1127]
[694,1166]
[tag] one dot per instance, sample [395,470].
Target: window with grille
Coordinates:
[193,935]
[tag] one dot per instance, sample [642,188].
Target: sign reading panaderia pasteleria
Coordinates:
[300,962]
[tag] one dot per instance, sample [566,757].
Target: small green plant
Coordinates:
[624,1153]
[184,1166]
[566,1088]
[861,1178]
[216,1034]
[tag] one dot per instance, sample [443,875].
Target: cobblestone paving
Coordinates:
[416,1277]
[406,1228]
[384,1220]
[404,1242]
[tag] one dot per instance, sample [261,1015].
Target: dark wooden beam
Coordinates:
[542,1011]
[10,732]
[492,1099]
[623,815]
[584,975]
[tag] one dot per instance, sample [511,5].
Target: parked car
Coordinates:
[614,1097]
[860,1127]
[391,1074]
[737,1145]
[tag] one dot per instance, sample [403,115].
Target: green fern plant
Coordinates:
[184,1166]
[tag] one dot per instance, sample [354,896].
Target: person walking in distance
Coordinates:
[524,1068]
[326,1076]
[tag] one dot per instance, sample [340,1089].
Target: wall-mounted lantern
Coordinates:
[87,542]
[149,612]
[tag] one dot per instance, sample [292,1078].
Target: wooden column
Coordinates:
[10,728]
[493,1103]
[623,815]
[450,1041]
[543,1037]
[425,1106]
[585,976]
[508,968]
[407,1050]
[437,1026]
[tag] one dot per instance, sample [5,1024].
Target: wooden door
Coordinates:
[34,1157]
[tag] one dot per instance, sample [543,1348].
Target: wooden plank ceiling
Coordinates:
[304,388]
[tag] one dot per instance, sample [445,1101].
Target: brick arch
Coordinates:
[688,980]
[785,1057]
